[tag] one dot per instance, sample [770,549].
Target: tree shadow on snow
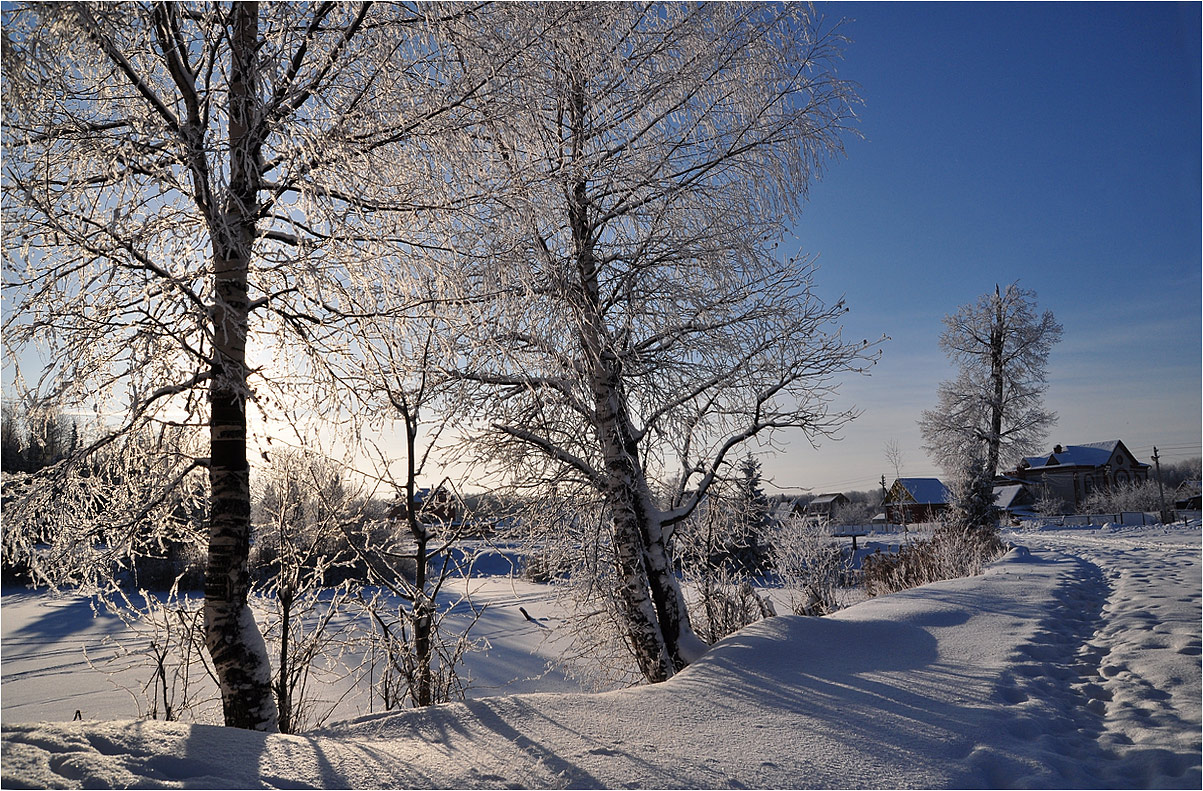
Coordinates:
[871,701]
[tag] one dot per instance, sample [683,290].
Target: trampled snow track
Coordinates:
[1139,671]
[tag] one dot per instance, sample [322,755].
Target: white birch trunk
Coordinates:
[235,644]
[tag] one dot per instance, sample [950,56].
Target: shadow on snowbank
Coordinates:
[895,692]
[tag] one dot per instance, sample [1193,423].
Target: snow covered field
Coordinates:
[47,677]
[1073,662]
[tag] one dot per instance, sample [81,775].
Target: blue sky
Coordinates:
[1053,144]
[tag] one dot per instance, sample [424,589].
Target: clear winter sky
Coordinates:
[1053,144]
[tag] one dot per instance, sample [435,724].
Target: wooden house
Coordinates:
[435,506]
[912,500]
[826,506]
[1014,498]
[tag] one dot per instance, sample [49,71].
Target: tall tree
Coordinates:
[190,187]
[995,405]
[640,326]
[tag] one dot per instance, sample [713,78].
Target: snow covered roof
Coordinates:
[1190,487]
[782,511]
[1092,454]
[824,499]
[1095,454]
[925,491]
[1004,496]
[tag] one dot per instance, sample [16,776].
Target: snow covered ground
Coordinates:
[48,641]
[1073,662]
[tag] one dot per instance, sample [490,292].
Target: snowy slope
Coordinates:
[1076,665]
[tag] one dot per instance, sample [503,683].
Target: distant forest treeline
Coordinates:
[29,444]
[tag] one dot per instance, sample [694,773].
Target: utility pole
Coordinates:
[885,495]
[1160,490]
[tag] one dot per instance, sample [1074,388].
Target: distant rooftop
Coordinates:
[926,491]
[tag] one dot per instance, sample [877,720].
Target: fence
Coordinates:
[883,528]
[1120,518]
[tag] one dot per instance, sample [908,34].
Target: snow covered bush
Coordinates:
[723,601]
[164,643]
[811,567]
[302,561]
[403,671]
[728,603]
[960,547]
[311,641]
[564,531]
[1049,504]
[411,656]
[723,553]
[1133,496]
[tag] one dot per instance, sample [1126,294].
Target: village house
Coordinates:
[1071,472]
[912,500]
[824,508]
[1014,499]
[435,506]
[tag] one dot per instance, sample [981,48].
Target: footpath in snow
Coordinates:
[1075,664]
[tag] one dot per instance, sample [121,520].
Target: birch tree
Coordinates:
[190,188]
[635,324]
[402,379]
[994,406]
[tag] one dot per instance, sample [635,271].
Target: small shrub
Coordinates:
[812,567]
[543,567]
[726,602]
[1051,505]
[163,642]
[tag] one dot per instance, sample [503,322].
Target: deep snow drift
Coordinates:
[1074,664]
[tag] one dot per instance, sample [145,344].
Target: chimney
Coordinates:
[1058,449]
